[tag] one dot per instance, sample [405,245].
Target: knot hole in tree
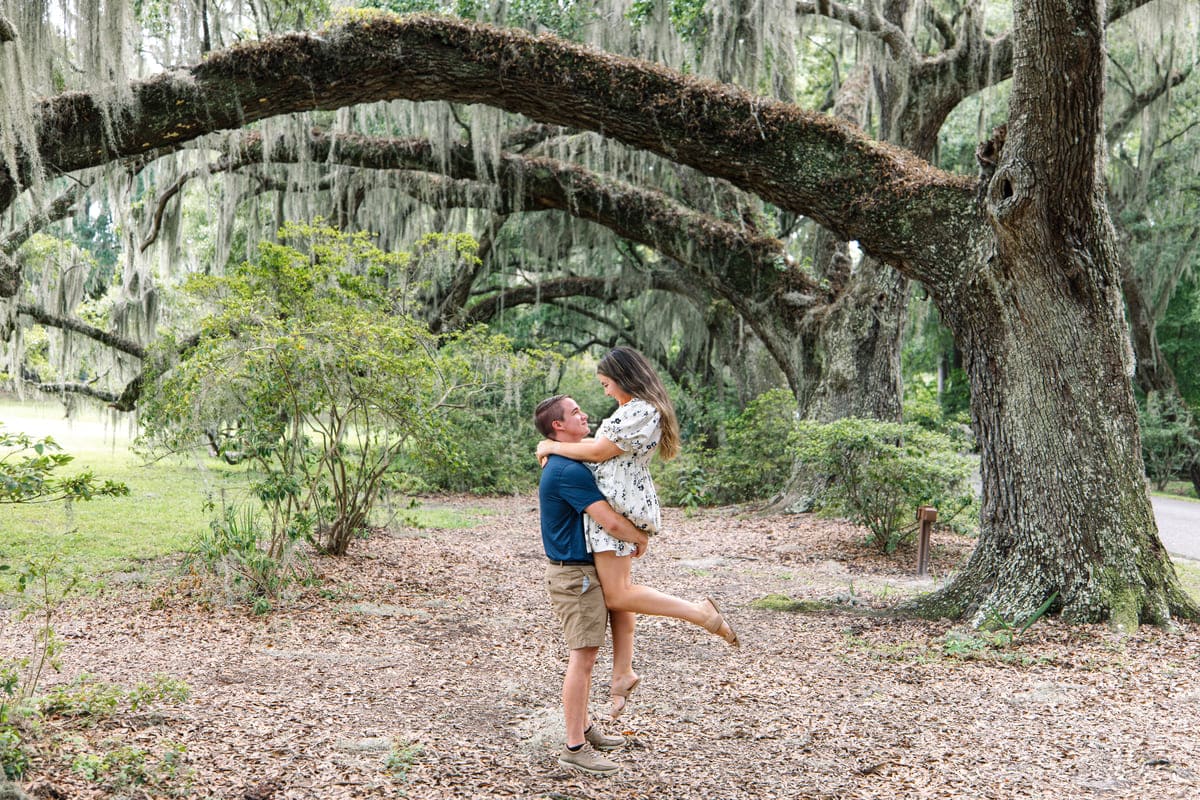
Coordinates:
[1009,192]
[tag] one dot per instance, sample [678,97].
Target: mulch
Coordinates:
[426,664]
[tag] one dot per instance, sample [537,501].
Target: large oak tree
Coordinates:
[1027,278]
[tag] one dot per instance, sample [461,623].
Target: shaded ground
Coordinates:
[428,666]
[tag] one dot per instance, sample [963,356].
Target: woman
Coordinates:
[643,424]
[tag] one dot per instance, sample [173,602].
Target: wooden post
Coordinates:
[926,515]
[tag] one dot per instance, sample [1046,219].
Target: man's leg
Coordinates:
[577,687]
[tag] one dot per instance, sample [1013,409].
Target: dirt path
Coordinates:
[437,647]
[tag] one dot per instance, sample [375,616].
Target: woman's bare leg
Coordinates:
[622,594]
[624,679]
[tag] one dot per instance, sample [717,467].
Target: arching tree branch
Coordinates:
[878,195]
[867,20]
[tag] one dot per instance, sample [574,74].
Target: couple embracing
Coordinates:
[593,525]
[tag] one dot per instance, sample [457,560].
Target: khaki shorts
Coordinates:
[578,600]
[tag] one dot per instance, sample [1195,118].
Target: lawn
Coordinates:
[167,505]
[163,512]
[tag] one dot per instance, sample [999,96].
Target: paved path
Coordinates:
[1178,525]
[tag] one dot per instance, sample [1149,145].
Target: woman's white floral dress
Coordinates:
[625,479]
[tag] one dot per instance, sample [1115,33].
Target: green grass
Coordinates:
[1180,490]
[163,513]
[1189,576]
[422,517]
[161,516]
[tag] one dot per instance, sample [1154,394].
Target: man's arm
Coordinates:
[618,525]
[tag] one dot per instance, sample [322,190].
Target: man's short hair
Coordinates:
[547,413]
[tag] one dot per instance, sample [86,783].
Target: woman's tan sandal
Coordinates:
[717,624]
[620,696]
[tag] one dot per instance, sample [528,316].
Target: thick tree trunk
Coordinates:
[1042,330]
[859,348]
[857,341]
[1050,389]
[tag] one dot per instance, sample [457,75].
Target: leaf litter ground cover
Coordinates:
[427,665]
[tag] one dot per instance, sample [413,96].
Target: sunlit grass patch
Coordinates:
[425,517]
[161,516]
[1189,575]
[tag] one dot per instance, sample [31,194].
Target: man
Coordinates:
[567,491]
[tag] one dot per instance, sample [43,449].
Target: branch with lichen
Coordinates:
[877,194]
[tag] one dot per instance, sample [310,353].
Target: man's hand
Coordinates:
[641,548]
[618,526]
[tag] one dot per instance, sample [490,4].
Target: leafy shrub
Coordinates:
[685,480]
[1168,444]
[753,461]
[880,472]
[311,370]
[484,451]
[923,406]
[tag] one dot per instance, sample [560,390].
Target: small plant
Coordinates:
[122,767]
[14,756]
[996,633]
[90,699]
[401,759]
[1006,631]
[238,549]
[42,589]
[962,645]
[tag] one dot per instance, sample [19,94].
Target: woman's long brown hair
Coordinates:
[633,373]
